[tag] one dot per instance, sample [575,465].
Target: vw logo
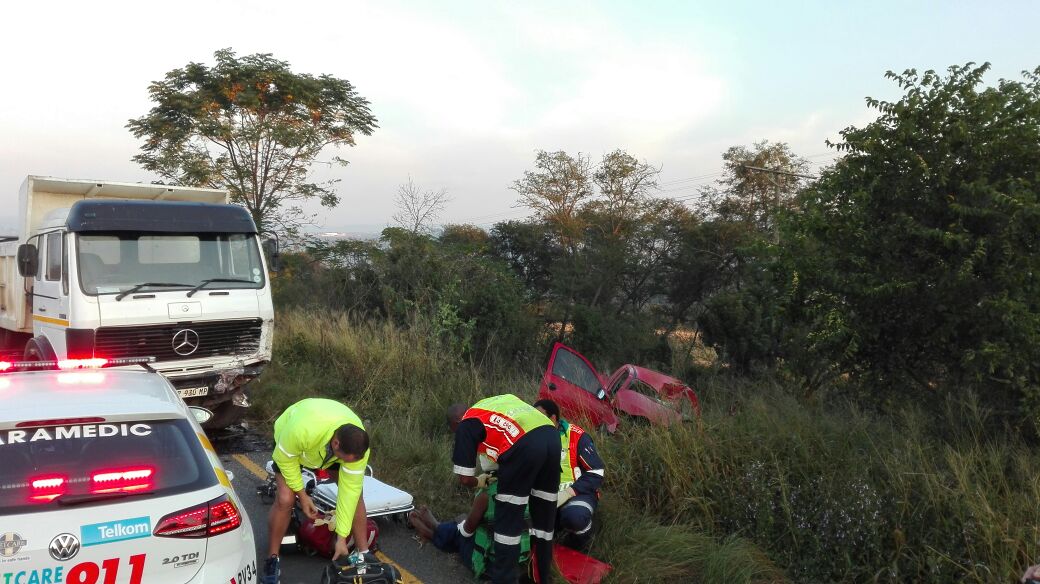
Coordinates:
[64,547]
[185,342]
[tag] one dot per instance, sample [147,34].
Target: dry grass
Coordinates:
[763,488]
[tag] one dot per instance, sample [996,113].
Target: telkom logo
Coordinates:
[110,531]
[505,424]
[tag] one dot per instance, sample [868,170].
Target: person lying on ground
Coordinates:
[471,537]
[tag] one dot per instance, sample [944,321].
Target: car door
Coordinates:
[50,291]
[574,384]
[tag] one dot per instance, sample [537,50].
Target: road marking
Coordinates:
[406,576]
[250,466]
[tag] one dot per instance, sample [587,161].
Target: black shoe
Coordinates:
[272,571]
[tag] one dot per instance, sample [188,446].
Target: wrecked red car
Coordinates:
[583,393]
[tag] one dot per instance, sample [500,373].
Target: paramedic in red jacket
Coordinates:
[580,479]
[526,447]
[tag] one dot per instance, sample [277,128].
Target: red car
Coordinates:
[582,392]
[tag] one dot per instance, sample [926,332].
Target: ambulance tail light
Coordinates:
[206,520]
[44,489]
[128,480]
[59,422]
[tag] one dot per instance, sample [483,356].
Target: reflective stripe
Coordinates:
[464,471]
[596,471]
[584,531]
[507,539]
[546,535]
[462,529]
[286,452]
[511,499]
[579,504]
[353,472]
[544,495]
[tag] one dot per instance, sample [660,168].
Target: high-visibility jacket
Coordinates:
[302,435]
[484,535]
[580,465]
[506,419]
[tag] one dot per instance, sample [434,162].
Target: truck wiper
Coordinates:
[137,287]
[69,500]
[205,283]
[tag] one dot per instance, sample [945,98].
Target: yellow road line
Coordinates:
[406,576]
[250,466]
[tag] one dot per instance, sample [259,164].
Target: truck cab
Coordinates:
[184,281]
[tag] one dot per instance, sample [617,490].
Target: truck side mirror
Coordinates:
[275,257]
[28,260]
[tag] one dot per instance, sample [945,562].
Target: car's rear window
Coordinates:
[98,463]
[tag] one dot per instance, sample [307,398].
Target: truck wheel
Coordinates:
[38,349]
[224,415]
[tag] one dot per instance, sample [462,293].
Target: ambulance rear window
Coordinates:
[98,463]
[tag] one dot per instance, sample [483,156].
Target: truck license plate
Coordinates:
[193,391]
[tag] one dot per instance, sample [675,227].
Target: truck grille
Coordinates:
[211,339]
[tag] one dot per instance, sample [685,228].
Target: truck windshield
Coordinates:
[110,263]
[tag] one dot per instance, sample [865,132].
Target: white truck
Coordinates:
[121,270]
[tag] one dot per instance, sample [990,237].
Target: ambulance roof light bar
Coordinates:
[72,364]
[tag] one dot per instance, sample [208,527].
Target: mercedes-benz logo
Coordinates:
[64,547]
[185,342]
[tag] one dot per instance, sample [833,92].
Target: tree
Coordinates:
[417,209]
[748,194]
[917,253]
[252,126]
[556,189]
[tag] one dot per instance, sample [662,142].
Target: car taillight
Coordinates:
[223,516]
[127,480]
[206,520]
[45,489]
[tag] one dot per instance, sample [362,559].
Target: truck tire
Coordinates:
[224,415]
[39,349]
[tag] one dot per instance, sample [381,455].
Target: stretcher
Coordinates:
[314,537]
[381,499]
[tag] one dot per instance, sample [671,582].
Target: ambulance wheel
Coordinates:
[224,415]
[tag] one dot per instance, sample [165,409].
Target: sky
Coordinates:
[467,92]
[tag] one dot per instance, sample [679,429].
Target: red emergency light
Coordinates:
[74,364]
[44,489]
[125,480]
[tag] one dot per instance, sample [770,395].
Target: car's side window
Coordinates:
[41,258]
[53,256]
[65,264]
[570,367]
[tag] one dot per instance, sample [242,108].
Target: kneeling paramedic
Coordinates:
[526,447]
[318,434]
[580,479]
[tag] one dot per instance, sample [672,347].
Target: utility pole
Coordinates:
[776,191]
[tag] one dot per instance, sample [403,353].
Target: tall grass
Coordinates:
[762,488]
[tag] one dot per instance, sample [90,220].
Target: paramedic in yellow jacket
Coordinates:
[318,433]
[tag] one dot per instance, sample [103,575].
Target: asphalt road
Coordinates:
[418,563]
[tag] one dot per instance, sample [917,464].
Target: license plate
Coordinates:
[193,391]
